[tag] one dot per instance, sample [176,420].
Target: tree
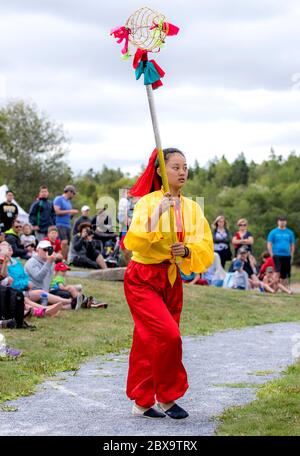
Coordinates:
[239,171]
[32,151]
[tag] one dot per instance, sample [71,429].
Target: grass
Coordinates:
[274,413]
[63,343]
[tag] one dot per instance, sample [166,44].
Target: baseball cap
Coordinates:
[70,188]
[44,244]
[237,264]
[269,269]
[243,250]
[61,266]
[85,208]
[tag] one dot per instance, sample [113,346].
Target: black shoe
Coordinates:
[150,413]
[176,412]
[8,324]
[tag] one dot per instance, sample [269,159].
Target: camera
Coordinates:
[49,250]
[89,232]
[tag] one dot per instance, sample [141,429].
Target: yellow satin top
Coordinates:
[154,247]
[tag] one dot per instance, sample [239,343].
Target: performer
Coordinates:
[153,286]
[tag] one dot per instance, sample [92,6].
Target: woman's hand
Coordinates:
[166,202]
[178,249]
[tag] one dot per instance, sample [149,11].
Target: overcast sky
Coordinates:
[232,79]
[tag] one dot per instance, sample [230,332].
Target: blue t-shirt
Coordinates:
[281,241]
[64,205]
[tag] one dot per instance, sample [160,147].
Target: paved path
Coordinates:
[93,402]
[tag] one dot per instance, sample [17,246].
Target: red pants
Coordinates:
[155,362]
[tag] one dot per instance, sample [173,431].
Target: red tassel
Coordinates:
[140,54]
[149,181]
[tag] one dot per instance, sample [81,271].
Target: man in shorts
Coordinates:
[281,246]
[64,212]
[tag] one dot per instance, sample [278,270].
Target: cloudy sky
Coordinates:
[232,79]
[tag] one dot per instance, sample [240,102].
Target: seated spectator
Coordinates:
[240,279]
[28,240]
[85,211]
[243,237]
[40,269]
[267,261]
[19,280]
[272,283]
[12,236]
[2,235]
[215,275]
[55,242]
[83,251]
[193,279]
[243,255]
[59,287]
[27,237]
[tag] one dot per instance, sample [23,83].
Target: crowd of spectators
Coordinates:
[271,274]
[36,256]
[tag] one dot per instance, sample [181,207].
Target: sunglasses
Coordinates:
[242,224]
[30,245]
[18,226]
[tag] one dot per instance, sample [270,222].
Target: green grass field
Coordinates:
[62,343]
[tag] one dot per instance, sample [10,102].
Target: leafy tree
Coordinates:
[32,151]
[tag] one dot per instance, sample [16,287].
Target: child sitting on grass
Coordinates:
[58,286]
[240,277]
[272,283]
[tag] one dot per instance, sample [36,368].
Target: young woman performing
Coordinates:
[153,286]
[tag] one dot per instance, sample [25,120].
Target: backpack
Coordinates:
[12,305]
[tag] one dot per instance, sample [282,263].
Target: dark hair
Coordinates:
[281,217]
[167,153]
[43,187]
[265,255]
[9,191]
[84,225]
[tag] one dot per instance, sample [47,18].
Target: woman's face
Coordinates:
[177,171]
[221,223]
[242,226]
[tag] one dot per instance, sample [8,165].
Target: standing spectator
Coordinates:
[243,237]
[8,211]
[85,211]
[281,246]
[42,214]
[64,212]
[221,239]
[13,238]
